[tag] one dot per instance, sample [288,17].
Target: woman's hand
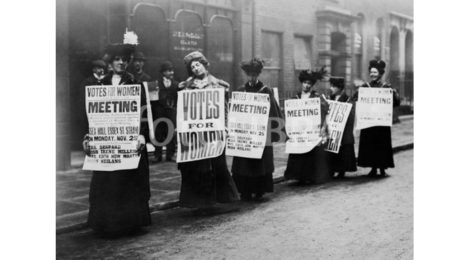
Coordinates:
[182,84]
[140,144]
[223,83]
[86,145]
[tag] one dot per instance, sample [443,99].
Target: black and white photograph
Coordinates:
[234,129]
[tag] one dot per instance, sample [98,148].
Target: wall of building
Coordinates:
[306,32]
[62,88]
[323,21]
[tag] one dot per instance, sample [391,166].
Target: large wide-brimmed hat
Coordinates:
[307,75]
[254,65]
[124,50]
[378,64]
[337,82]
[312,75]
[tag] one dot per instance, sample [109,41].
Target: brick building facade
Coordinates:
[342,35]
[290,36]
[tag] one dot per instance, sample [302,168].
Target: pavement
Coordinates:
[72,186]
[353,218]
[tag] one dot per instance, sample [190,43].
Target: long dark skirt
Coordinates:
[375,148]
[254,175]
[344,160]
[162,129]
[312,166]
[206,182]
[119,199]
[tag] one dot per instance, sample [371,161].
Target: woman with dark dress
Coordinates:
[345,159]
[375,143]
[254,177]
[310,167]
[205,183]
[119,199]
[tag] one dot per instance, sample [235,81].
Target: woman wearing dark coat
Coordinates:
[345,159]
[375,143]
[119,199]
[254,177]
[310,167]
[206,182]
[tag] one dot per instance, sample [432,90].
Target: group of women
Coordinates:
[119,199]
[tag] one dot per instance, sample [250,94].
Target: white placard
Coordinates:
[303,123]
[114,125]
[200,124]
[336,121]
[247,124]
[374,107]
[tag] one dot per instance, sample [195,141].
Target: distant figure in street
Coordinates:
[119,199]
[165,107]
[254,177]
[310,167]
[98,73]
[375,143]
[205,183]
[345,159]
[138,64]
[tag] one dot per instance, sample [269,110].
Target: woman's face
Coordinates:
[307,85]
[119,64]
[198,69]
[374,74]
[252,76]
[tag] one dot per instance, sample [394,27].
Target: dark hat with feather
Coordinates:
[378,64]
[254,65]
[312,75]
[126,51]
[337,82]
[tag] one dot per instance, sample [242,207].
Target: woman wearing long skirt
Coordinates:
[119,199]
[254,177]
[375,143]
[206,182]
[310,167]
[345,159]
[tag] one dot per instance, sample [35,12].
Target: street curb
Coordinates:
[406,117]
[174,204]
[71,228]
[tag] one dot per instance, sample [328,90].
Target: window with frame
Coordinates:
[271,49]
[271,53]
[358,46]
[302,52]
[378,37]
